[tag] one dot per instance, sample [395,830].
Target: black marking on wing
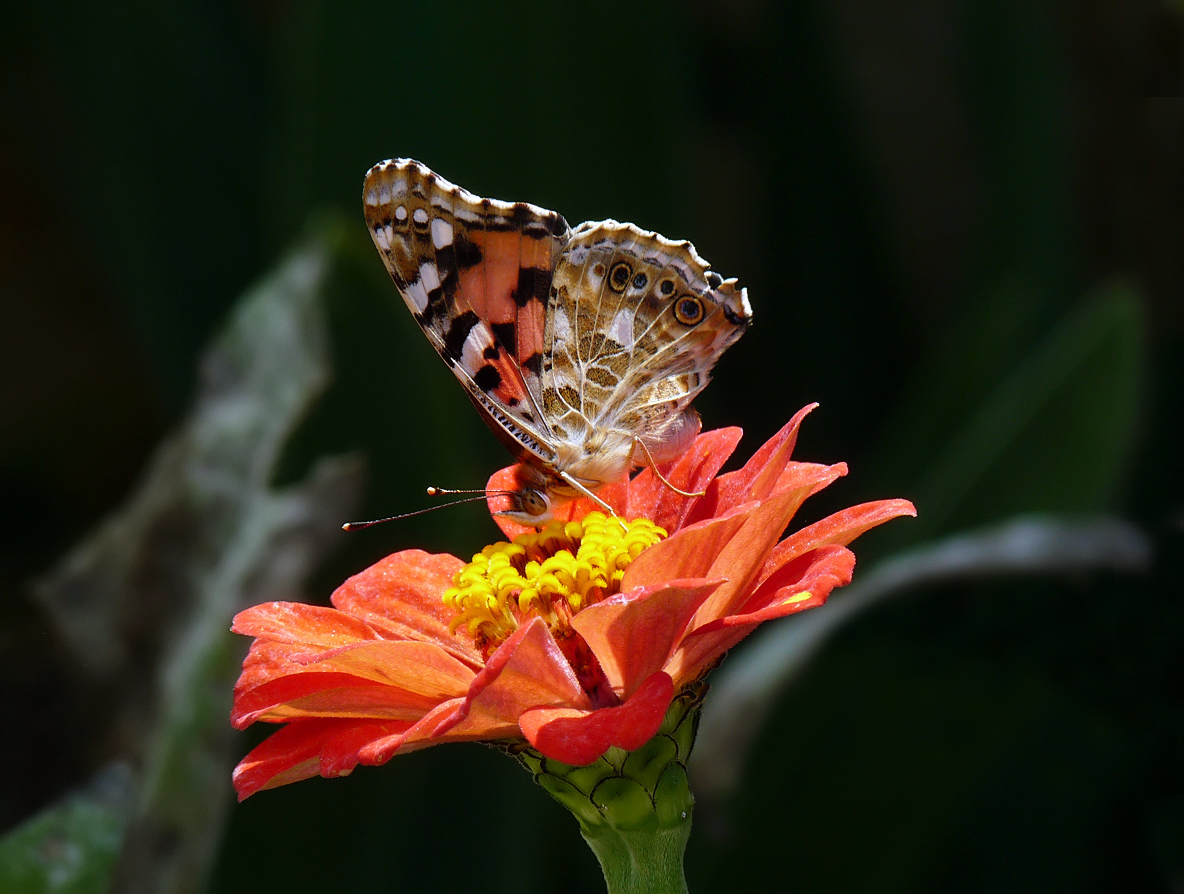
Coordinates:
[487,378]
[507,336]
[734,318]
[468,254]
[533,282]
[533,363]
[520,215]
[428,316]
[458,331]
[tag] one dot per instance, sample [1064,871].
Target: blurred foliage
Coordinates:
[72,847]
[960,225]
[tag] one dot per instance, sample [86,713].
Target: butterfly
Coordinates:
[582,348]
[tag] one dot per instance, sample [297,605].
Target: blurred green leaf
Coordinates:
[69,848]
[204,536]
[1053,432]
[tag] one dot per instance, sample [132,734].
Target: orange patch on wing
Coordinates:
[512,384]
[488,287]
[531,325]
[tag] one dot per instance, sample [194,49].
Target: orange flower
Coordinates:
[575,638]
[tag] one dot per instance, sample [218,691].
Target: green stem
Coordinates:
[641,861]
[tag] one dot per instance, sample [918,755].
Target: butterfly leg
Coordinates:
[653,465]
[587,493]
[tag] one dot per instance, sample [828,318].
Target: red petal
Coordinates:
[295,622]
[268,661]
[817,574]
[402,596]
[650,497]
[421,735]
[528,670]
[838,529]
[579,737]
[732,548]
[293,752]
[690,553]
[633,634]
[821,572]
[758,477]
[424,668]
[298,696]
[420,667]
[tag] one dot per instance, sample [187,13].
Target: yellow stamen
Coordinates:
[552,574]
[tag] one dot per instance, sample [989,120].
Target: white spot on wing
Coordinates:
[441,232]
[420,215]
[400,213]
[472,355]
[621,330]
[382,236]
[561,324]
[429,276]
[417,295]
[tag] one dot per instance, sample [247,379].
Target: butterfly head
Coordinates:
[528,501]
[530,506]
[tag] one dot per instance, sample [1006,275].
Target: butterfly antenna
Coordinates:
[481,494]
[653,465]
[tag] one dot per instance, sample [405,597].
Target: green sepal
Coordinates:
[633,807]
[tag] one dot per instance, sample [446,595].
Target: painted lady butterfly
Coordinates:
[578,346]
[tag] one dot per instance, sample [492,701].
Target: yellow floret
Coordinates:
[552,573]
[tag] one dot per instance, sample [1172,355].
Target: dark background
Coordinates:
[962,230]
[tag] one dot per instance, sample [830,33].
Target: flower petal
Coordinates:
[689,553]
[293,752]
[295,622]
[820,572]
[579,737]
[804,583]
[633,634]
[758,477]
[839,529]
[379,750]
[401,597]
[327,695]
[424,668]
[650,497]
[528,670]
[269,661]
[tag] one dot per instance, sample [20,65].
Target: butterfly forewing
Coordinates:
[475,273]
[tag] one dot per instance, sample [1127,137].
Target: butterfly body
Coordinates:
[583,347]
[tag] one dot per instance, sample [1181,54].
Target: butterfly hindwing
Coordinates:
[636,325]
[476,274]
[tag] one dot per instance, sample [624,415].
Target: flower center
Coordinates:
[552,574]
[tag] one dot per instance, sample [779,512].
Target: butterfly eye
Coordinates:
[533,502]
[640,280]
[619,276]
[666,287]
[688,310]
